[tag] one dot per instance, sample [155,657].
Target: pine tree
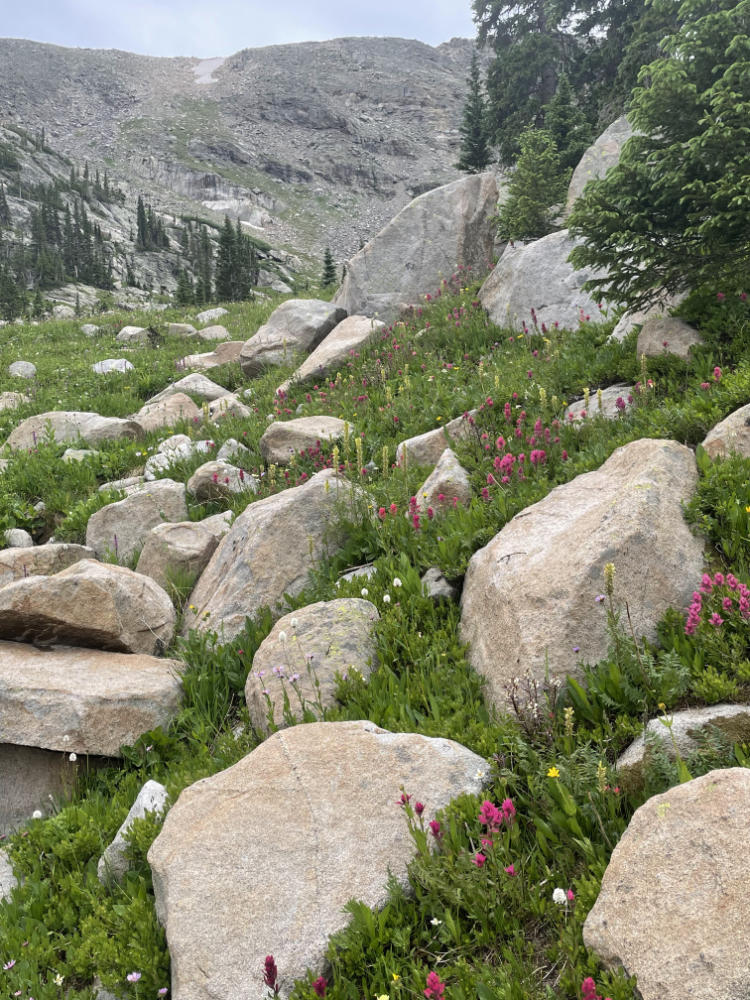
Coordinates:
[141,240]
[567,125]
[226,259]
[4,209]
[184,294]
[329,269]
[536,186]
[475,153]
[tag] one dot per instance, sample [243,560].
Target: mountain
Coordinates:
[310,145]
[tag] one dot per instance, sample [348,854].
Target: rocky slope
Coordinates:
[311,144]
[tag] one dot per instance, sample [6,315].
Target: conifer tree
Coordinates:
[536,186]
[475,153]
[4,209]
[567,124]
[329,269]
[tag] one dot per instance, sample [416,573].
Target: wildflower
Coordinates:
[510,870]
[404,800]
[396,582]
[553,773]
[364,591]
[716,620]
[396,977]
[435,829]
[571,895]
[162,992]
[435,988]
[9,964]
[717,374]
[73,758]
[37,814]
[59,980]
[559,897]
[319,986]
[419,808]
[282,636]
[133,977]
[386,598]
[435,922]
[478,860]
[271,974]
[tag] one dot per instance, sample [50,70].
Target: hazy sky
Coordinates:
[221,27]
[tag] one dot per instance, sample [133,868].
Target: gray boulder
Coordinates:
[18,538]
[209,315]
[121,527]
[68,426]
[219,481]
[338,348]
[171,549]
[731,435]
[22,369]
[113,864]
[297,325]
[285,439]
[132,335]
[194,384]
[426,449]
[447,485]
[599,157]
[667,335]
[42,560]
[111,365]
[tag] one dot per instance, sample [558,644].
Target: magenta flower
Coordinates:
[319,986]
[133,977]
[510,870]
[435,988]
[478,860]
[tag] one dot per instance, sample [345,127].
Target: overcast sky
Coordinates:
[221,27]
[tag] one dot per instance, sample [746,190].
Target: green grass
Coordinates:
[487,934]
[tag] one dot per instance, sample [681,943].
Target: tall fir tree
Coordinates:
[475,151]
[329,269]
[567,124]
[536,186]
[4,209]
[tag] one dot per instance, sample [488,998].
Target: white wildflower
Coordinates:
[559,897]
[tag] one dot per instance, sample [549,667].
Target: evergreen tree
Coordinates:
[226,255]
[567,125]
[329,269]
[185,293]
[4,209]
[475,153]
[141,239]
[537,185]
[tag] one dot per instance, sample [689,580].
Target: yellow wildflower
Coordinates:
[553,773]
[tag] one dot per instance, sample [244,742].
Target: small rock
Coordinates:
[224,353]
[68,426]
[214,333]
[10,400]
[211,314]
[361,572]
[437,587]
[227,406]
[77,454]
[89,329]
[121,527]
[171,549]
[662,335]
[181,329]
[18,538]
[114,864]
[22,369]
[111,365]
[447,485]
[132,335]
[192,385]
[220,480]
[730,436]
[426,449]
[168,411]
[232,450]
[285,439]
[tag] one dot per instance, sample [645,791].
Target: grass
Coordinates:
[487,933]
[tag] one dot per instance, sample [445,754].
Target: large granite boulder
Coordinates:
[426,449]
[284,439]
[89,604]
[11,400]
[662,335]
[537,276]
[167,411]
[194,384]
[43,560]
[529,598]
[120,528]
[672,909]
[67,426]
[447,485]
[114,864]
[599,157]
[33,781]
[220,481]
[226,834]
[268,552]
[615,399]
[224,353]
[177,550]
[297,325]
[85,701]
[213,333]
[302,655]
[423,244]
[731,435]
[338,348]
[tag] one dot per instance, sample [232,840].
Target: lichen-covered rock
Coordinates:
[529,597]
[303,654]
[211,862]
[672,909]
[284,439]
[120,528]
[297,325]
[730,436]
[424,243]
[89,604]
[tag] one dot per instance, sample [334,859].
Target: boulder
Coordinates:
[219,481]
[88,604]
[446,227]
[11,400]
[302,656]
[340,782]
[121,527]
[78,454]
[85,701]
[609,408]
[683,736]
[529,597]
[167,412]
[31,781]
[192,385]
[672,909]
[181,330]
[111,365]
[269,552]
[284,439]
[297,325]
[214,333]
[68,426]
[436,587]
[228,406]
[22,369]
[730,436]
[223,354]
[132,335]
[662,335]
[171,550]
[218,524]
[538,277]
[89,330]
[343,343]
[208,315]
[18,538]
[426,449]
[8,880]
[447,485]
[629,320]
[599,157]
[130,484]
[43,560]
[114,863]
[232,451]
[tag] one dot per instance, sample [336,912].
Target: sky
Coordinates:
[207,28]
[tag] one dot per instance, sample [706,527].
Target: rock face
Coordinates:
[447,485]
[284,439]
[44,560]
[426,449]
[628,513]
[346,339]
[30,780]
[302,655]
[685,728]
[113,864]
[68,426]
[167,412]
[267,553]
[172,549]
[341,780]
[599,157]
[610,409]
[84,700]
[122,527]
[667,335]
[219,481]
[538,276]
[424,243]
[731,435]
[673,904]
[297,325]
[192,385]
